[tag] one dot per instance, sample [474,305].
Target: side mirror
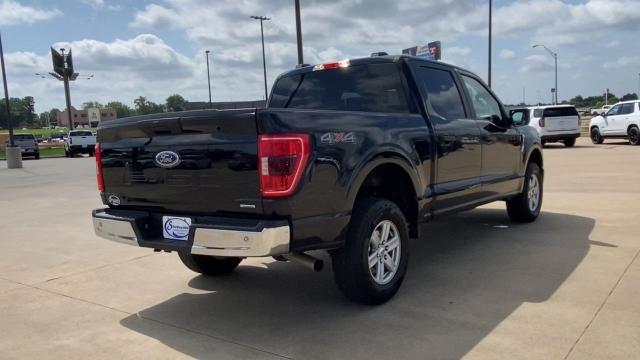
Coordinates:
[518,117]
[603,114]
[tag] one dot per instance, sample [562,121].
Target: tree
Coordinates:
[175,102]
[92,104]
[144,106]
[628,97]
[121,109]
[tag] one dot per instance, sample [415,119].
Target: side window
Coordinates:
[443,97]
[627,108]
[614,110]
[483,102]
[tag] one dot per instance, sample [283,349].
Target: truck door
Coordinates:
[459,152]
[501,142]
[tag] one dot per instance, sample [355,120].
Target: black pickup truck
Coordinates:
[348,157]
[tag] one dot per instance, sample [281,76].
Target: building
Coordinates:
[224,105]
[86,118]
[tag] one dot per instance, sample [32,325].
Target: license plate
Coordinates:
[176,228]
[84,146]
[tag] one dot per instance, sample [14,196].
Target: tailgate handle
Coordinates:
[166,126]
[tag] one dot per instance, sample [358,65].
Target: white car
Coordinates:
[556,123]
[601,110]
[79,142]
[621,121]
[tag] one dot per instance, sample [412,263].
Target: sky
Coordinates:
[156,48]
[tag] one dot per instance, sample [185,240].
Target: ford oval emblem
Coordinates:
[167,159]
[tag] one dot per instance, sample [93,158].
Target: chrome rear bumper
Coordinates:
[246,238]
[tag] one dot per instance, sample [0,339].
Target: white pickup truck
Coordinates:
[79,142]
[601,110]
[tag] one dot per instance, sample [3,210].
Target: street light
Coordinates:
[264,63]
[299,32]
[208,78]
[490,33]
[555,58]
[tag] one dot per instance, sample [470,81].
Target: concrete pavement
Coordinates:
[477,286]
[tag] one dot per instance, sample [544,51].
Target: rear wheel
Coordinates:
[37,156]
[371,266]
[596,137]
[526,207]
[569,142]
[634,135]
[209,265]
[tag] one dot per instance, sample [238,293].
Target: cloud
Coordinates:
[622,62]
[101,4]
[506,54]
[14,13]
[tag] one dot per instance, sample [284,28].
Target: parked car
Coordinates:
[79,142]
[621,121]
[348,157]
[556,123]
[601,110]
[27,144]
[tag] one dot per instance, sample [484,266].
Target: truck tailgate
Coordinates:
[562,123]
[200,162]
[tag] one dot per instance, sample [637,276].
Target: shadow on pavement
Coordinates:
[467,274]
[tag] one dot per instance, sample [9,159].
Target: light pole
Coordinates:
[490,34]
[208,78]
[555,58]
[264,62]
[299,32]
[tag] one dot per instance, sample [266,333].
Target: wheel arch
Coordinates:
[392,177]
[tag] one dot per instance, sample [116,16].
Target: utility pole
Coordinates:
[524,98]
[264,61]
[208,79]
[13,153]
[490,37]
[299,32]
[6,96]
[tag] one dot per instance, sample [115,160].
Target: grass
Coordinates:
[44,152]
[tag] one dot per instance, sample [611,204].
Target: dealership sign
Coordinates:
[431,51]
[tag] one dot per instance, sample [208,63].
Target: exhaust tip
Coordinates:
[306,260]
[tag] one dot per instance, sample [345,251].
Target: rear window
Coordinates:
[560,111]
[370,88]
[81,133]
[23,137]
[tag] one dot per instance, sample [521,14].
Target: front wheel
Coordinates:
[569,142]
[209,265]
[634,135]
[526,206]
[596,137]
[370,268]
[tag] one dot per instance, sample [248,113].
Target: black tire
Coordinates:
[520,208]
[569,142]
[350,263]
[66,153]
[37,156]
[596,137]
[543,142]
[90,153]
[634,135]
[209,265]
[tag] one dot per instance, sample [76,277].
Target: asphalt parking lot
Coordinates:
[479,287]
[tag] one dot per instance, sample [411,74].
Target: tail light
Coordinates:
[70,140]
[282,160]
[541,122]
[98,154]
